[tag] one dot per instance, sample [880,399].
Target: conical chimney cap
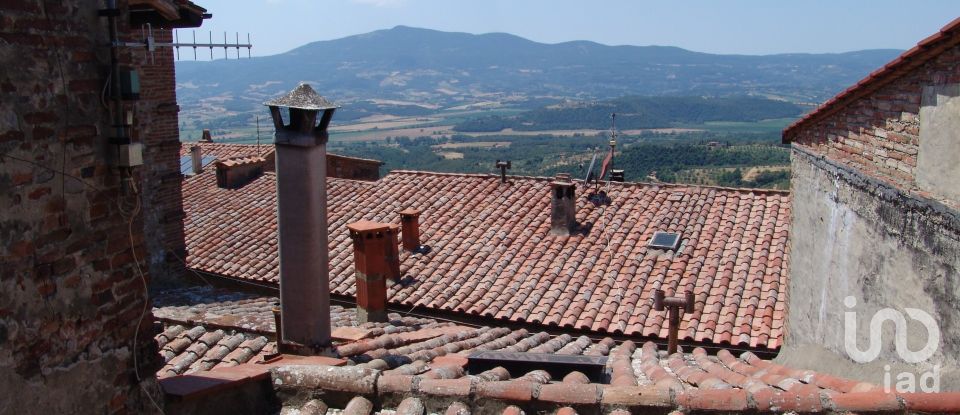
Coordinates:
[302,97]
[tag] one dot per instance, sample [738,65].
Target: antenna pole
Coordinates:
[258,136]
[613,135]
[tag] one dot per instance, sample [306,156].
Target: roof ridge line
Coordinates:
[547,178]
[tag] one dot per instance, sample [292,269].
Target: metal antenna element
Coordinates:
[149,42]
[674,304]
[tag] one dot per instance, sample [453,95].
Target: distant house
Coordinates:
[876,192]
[344,167]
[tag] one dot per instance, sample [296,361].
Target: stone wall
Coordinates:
[71,294]
[879,134]
[859,237]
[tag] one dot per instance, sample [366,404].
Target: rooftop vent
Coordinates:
[665,240]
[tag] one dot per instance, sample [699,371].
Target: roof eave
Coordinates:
[925,50]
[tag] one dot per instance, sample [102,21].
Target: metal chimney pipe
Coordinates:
[301,149]
[196,157]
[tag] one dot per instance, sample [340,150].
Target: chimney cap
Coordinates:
[410,212]
[364,226]
[302,97]
[563,179]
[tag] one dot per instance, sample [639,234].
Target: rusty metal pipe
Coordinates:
[673,329]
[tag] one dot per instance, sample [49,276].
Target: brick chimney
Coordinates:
[196,159]
[372,243]
[234,173]
[410,221]
[563,210]
[301,149]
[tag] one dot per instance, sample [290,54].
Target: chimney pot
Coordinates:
[196,158]
[410,221]
[616,176]
[206,137]
[563,211]
[371,254]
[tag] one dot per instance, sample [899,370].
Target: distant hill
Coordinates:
[637,112]
[424,70]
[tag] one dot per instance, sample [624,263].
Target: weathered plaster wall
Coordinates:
[938,163]
[853,235]
[70,292]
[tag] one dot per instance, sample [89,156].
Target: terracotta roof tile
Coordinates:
[418,366]
[492,255]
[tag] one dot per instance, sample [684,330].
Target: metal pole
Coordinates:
[673,329]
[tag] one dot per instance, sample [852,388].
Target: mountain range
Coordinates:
[426,70]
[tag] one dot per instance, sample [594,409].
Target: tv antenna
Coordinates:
[148,41]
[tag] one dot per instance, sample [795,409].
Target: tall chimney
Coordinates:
[563,210]
[302,217]
[196,158]
[371,251]
[410,234]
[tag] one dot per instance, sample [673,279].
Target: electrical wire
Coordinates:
[133,213]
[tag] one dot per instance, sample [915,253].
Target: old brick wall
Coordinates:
[157,128]
[352,168]
[70,291]
[879,133]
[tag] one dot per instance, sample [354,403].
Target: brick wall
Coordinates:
[344,167]
[70,292]
[879,133]
[157,127]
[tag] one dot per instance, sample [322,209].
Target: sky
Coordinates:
[729,27]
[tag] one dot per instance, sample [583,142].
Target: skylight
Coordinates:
[665,240]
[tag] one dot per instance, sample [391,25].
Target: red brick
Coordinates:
[23,178]
[46,288]
[39,192]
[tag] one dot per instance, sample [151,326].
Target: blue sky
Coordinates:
[730,26]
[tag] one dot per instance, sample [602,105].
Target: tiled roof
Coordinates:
[925,50]
[422,363]
[492,255]
[224,151]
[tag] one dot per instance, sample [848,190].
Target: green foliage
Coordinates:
[637,113]
[669,156]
